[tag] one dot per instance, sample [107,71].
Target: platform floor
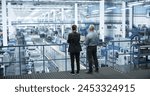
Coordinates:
[104,73]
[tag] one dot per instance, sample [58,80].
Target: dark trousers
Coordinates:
[92,57]
[74,56]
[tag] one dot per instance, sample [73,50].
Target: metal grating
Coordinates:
[104,73]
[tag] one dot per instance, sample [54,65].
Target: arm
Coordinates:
[87,40]
[69,37]
[79,38]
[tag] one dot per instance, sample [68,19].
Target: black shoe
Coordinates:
[72,73]
[89,72]
[77,72]
[96,70]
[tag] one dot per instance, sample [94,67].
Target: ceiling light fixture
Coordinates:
[147,5]
[95,11]
[126,8]
[136,3]
[107,11]
[111,8]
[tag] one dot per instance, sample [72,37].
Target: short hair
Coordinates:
[74,27]
[91,27]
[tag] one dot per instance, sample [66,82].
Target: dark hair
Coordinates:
[74,27]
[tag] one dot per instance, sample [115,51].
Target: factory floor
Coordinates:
[104,73]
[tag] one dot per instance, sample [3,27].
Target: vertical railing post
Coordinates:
[5,70]
[43,60]
[106,56]
[113,57]
[86,59]
[65,56]
[20,60]
[130,52]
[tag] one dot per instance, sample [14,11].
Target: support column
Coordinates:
[9,13]
[102,20]
[45,17]
[11,29]
[123,19]
[62,19]
[4,22]
[76,14]
[130,18]
[48,16]
[54,19]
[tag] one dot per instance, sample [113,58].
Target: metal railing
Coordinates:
[119,55]
[28,59]
[22,59]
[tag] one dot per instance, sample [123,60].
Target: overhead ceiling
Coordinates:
[34,11]
[35,8]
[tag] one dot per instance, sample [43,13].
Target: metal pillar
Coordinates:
[76,14]
[54,19]
[131,18]
[123,19]
[102,20]
[48,17]
[4,22]
[62,18]
[11,16]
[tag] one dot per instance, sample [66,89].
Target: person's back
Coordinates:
[74,48]
[74,42]
[91,42]
[92,39]
[75,38]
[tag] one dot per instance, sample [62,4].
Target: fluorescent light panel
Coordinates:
[147,5]
[135,3]
[95,11]
[126,8]
[107,11]
[111,8]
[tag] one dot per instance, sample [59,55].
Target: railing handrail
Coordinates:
[35,45]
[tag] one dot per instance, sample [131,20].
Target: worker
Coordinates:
[74,48]
[91,42]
